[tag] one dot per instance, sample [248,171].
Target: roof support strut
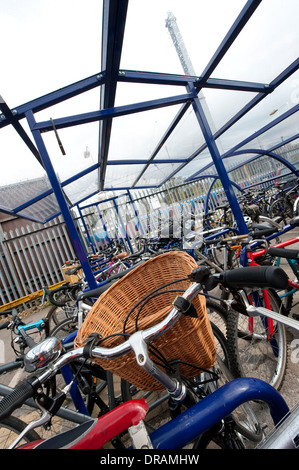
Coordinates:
[61,201]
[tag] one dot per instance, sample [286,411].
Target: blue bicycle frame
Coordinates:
[39,325]
[212,409]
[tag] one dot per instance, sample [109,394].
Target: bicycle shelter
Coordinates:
[145,128]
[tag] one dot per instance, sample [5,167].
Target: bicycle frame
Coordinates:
[39,325]
[184,428]
[250,389]
[292,263]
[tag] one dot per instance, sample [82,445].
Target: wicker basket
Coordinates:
[190,339]
[71,278]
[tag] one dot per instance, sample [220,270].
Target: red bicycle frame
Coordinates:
[105,428]
[256,254]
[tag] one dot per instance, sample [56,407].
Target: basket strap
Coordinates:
[92,341]
[185,306]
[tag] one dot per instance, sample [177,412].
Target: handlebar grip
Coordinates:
[256,276]
[284,253]
[29,341]
[4,325]
[55,301]
[263,233]
[15,399]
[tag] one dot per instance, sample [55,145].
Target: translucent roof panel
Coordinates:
[82,187]
[156,174]
[184,140]
[148,44]
[54,43]
[196,165]
[17,162]
[44,209]
[271,37]
[264,113]
[122,176]
[135,136]
[79,149]
[223,105]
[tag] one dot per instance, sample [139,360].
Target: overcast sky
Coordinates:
[48,45]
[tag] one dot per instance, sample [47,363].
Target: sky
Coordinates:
[48,45]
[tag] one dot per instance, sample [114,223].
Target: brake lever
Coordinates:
[202,275]
[44,419]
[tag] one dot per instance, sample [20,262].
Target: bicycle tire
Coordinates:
[57,314]
[64,328]
[286,298]
[251,353]
[11,428]
[280,207]
[245,430]
[245,425]
[215,308]
[245,420]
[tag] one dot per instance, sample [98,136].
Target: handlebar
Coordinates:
[265,276]
[50,293]
[28,340]
[16,398]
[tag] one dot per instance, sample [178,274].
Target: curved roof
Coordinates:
[132,93]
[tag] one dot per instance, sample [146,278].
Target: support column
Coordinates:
[61,201]
[227,186]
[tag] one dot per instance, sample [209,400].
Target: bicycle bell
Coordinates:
[43,353]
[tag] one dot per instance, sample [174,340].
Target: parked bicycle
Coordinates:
[178,389]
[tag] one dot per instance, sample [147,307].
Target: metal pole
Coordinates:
[123,227]
[227,186]
[61,201]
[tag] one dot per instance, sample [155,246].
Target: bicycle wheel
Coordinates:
[58,314]
[286,297]
[281,207]
[11,428]
[160,409]
[64,328]
[257,348]
[217,315]
[242,428]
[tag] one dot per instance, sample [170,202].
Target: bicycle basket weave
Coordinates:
[190,339]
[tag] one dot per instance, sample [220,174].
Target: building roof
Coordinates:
[153,95]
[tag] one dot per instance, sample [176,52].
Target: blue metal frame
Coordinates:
[61,201]
[211,187]
[227,186]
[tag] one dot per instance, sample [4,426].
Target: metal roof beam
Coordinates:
[10,117]
[54,97]
[230,37]
[114,19]
[109,113]
[292,68]
[150,78]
